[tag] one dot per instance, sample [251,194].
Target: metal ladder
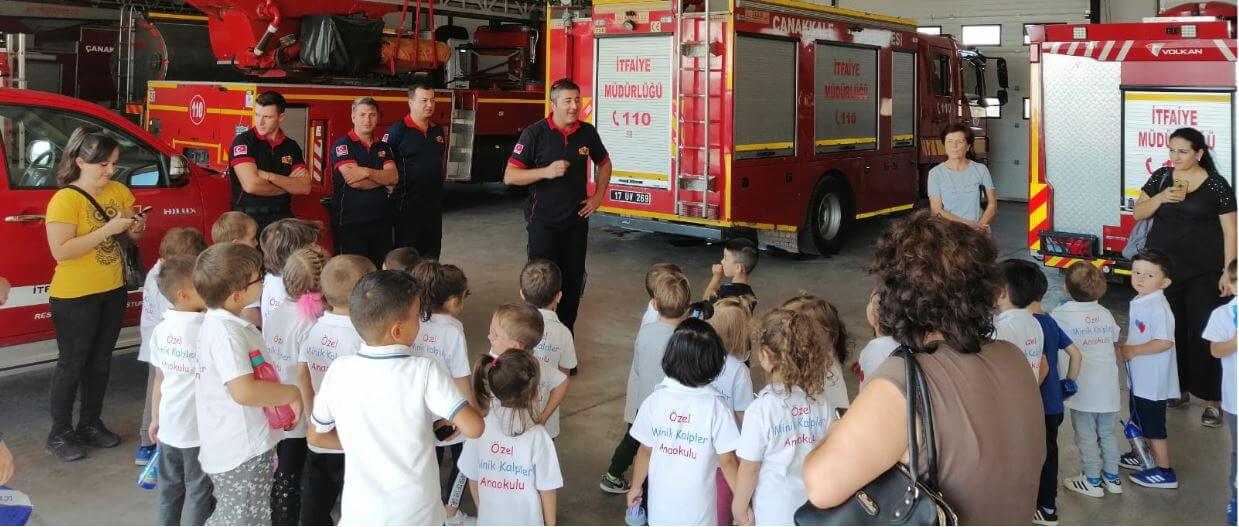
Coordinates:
[460,139]
[689,55]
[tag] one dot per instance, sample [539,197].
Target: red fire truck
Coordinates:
[1103,99]
[779,118]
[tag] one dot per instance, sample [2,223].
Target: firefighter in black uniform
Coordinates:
[267,166]
[417,201]
[552,158]
[362,171]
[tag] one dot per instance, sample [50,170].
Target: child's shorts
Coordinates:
[1151,416]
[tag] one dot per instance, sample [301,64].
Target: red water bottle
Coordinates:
[279,417]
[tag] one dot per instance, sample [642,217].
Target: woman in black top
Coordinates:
[1194,222]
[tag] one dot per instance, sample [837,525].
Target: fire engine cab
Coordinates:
[1104,99]
[781,119]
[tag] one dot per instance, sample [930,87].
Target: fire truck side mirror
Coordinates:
[1001,64]
[178,167]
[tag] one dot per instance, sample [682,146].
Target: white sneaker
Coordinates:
[1081,485]
[460,518]
[1113,486]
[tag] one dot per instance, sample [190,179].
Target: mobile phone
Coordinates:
[142,211]
[444,432]
[1181,184]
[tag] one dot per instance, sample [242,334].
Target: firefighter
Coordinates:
[267,167]
[552,158]
[363,169]
[417,201]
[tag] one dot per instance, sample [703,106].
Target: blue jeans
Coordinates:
[1099,450]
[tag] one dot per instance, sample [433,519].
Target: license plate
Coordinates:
[628,196]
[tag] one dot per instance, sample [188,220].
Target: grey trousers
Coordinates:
[144,438]
[1099,449]
[243,494]
[184,490]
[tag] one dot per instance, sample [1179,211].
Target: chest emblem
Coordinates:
[439,139]
[287,160]
[382,153]
[584,150]
[1140,325]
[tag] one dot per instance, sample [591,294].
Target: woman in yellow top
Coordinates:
[87,292]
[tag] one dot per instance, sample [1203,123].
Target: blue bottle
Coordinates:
[635,515]
[1139,445]
[150,472]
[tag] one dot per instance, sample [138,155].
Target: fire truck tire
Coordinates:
[829,218]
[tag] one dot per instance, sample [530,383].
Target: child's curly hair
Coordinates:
[825,314]
[797,353]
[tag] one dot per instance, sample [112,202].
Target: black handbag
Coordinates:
[901,495]
[132,271]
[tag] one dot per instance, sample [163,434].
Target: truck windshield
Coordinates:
[33,139]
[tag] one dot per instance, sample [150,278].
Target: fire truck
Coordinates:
[1103,100]
[781,120]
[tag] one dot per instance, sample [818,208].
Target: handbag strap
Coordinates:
[918,404]
[910,386]
[927,415]
[92,201]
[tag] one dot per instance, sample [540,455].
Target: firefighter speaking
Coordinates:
[267,166]
[551,158]
[418,198]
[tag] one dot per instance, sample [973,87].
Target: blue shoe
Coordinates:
[1230,513]
[143,456]
[1131,461]
[1156,478]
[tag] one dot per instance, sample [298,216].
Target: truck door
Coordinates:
[32,139]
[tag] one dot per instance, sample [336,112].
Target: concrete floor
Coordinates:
[484,234]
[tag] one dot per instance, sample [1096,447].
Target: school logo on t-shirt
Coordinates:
[1140,325]
[342,150]
[518,149]
[239,150]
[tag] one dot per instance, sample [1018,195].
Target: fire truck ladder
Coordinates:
[461,132]
[694,57]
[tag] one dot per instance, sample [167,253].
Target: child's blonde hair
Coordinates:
[284,237]
[181,242]
[731,322]
[302,273]
[671,294]
[232,226]
[798,354]
[827,317]
[340,275]
[522,322]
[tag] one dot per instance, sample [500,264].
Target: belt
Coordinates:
[264,209]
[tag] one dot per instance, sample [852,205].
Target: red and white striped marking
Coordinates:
[1120,50]
[316,155]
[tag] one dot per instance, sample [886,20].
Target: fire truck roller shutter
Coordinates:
[903,95]
[846,100]
[765,97]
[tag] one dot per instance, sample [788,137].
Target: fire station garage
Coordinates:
[605,262]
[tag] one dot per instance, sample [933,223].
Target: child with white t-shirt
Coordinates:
[671,298]
[519,326]
[827,318]
[442,339]
[183,490]
[879,348]
[390,477]
[238,444]
[1015,324]
[1095,406]
[284,332]
[1151,366]
[235,227]
[542,287]
[787,420]
[1220,332]
[330,337]
[513,469]
[279,241]
[686,431]
[178,242]
[731,321]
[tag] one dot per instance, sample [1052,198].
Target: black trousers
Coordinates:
[1047,490]
[290,456]
[565,245]
[86,331]
[625,453]
[265,216]
[419,225]
[1192,301]
[372,239]
[321,485]
[455,449]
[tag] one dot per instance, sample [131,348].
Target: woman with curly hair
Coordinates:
[937,282]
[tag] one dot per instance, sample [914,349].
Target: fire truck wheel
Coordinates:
[830,214]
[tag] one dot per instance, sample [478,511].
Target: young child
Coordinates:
[731,321]
[1095,406]
[1220,332]
[739,261]
[671,297]
[178,242]
[1024,280]
[235,227]
[284,332]
[541,287]
[513,469]
[519,326]
[442,339]
[686,433]
[279,241]
[401,259]
[390,477]
[827,317]
[238,445]
[651,313]
[1015,324]
[879,348]
[332,336]
[183,490]
[786,421]
[1152,369]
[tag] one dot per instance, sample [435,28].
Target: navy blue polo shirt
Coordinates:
[276,154]
[419,158]
[557,201]
[353,205]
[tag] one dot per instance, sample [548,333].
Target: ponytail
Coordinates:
[512,379]
[87,143]
[1197,140]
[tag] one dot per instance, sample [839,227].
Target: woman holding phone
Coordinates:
[87,291]
[1193,211]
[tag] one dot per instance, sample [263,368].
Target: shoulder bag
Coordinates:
[1140,231]
[132,271]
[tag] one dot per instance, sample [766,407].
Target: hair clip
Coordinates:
[494,361]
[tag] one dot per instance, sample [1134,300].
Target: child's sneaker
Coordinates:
[460,518]
[143,456]
[1131,461]
[612,484]
[1156,478]
[1044,517]
[1082,485]
[1113,485]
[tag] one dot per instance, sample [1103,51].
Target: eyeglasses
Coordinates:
[254,281]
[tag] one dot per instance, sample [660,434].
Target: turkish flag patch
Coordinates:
[385,137]
[342,150]
[240,150]
[518,149]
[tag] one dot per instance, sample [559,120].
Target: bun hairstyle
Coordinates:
[439,282]
[512,380]
[1199,144]
[89,144]
[798,354]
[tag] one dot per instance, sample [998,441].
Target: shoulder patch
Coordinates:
[518,148]
[341,150]
[240,150]
[386,137]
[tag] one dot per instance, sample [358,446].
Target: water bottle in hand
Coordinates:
[149,475]
[279,417]
[1135,437]
[635,514]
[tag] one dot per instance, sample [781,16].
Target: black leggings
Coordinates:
[86,332]
[452,472]
[1047,491]
[321,486]
[1192,301]
[286,489]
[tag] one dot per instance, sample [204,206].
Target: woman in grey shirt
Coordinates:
[953,185]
